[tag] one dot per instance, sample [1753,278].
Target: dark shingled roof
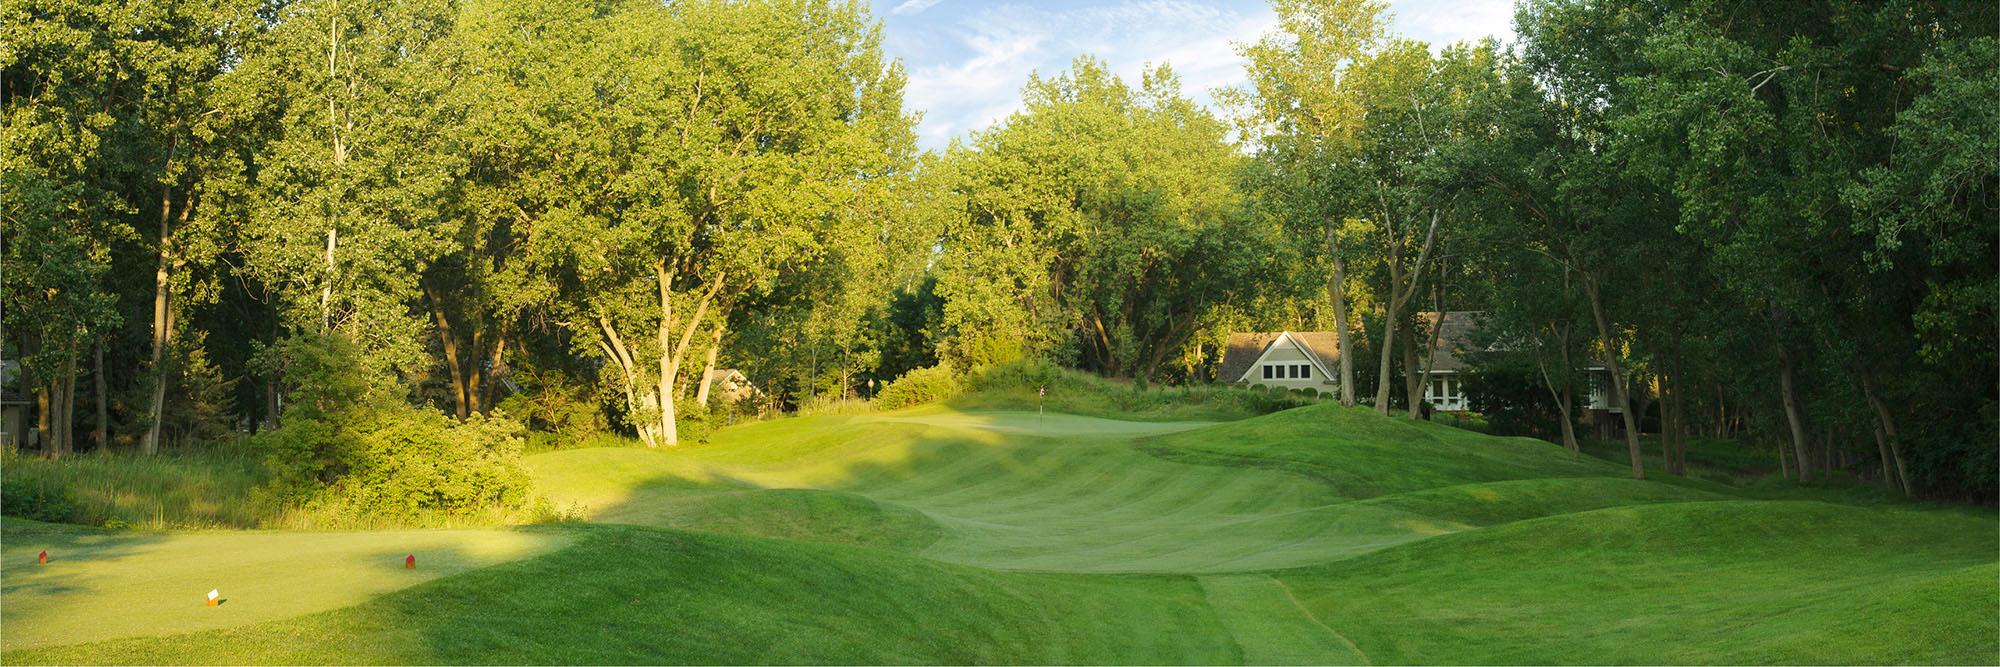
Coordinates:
[1452,340]
[1245,348]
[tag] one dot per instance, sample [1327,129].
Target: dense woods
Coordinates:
[378,242]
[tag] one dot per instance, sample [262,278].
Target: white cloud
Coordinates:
[1008,42]
[967,62]
[914,6]
[1443,22]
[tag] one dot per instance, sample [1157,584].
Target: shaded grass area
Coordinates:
[1736,582]
[625,595]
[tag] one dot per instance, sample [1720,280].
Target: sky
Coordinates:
[967,59]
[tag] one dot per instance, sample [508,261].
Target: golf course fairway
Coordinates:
[1318,535]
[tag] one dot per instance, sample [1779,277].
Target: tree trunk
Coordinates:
[475,368]
[614,347]
[326,287]
[1336,290]
[102,437]
[1619,394]
[459,395]
[1794,418]
[1888,466]
[1887,422]
[708,368]
[1679,433]
[44,419]
[1784,472]
[66,419]
[1412,393]
[1423,376]
[1562,394]
[497,353]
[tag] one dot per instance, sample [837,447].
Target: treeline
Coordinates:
[326,220]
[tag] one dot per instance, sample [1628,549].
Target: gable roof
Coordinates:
[1244,349]
[1454,338]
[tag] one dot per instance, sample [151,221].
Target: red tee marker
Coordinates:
[44,558]
[410,563]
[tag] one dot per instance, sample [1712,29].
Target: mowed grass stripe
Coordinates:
[1271,627]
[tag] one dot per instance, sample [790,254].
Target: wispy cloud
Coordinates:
[968,61]
[1003,44]
[914,6]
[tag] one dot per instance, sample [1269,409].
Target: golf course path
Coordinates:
[1272,627]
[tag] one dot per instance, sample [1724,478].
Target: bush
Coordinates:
[917,387]
[28,500]
[1018,386]
[396,461]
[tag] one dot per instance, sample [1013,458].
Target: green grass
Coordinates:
[106,584]
[1319,535]
[215,489]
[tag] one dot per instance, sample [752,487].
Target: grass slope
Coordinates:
[1733,582]
[1319,535]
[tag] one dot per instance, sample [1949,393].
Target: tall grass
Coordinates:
[220,487]
[209,489]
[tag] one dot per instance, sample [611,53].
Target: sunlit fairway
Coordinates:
[1320,535]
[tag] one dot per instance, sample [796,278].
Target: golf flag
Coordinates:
[1042,391]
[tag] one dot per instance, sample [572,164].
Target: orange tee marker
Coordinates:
[212,596]
[44,558]
[410,563]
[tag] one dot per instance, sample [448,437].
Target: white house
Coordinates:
[1299,359]
[1289,359]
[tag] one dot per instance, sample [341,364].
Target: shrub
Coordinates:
[917,387]
[395,460]
[28,500]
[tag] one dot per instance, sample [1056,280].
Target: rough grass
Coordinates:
[1319,535]
[216,489]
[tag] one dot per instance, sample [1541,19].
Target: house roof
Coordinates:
[1245,348]
[1453,339]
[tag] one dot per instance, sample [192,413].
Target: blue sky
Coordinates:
[967,59]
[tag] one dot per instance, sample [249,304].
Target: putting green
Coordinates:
[1063,493]
[103,585]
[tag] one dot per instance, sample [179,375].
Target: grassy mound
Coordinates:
[1361,454]
[1734,582]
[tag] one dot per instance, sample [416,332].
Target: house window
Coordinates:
[1305,371]
[1267,371]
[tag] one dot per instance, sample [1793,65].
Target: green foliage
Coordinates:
[398,461]
[1510,393]
[555,403]
[31,500]
[919,386]
[1102,224]
[1020,386]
